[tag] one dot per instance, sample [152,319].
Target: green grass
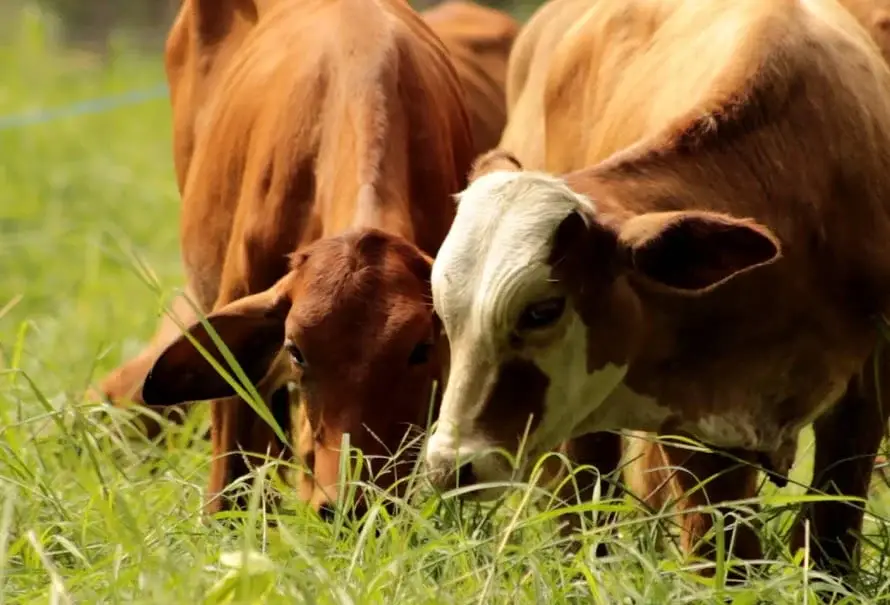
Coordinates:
[88,518]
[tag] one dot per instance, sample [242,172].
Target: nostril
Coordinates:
[326,512]
[465,475]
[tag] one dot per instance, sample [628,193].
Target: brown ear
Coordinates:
[696,251]
[582,246]
[493,160]
[252,328]
[214,19]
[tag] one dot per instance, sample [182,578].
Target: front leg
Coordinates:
[255,261]
[660,472]
[602,452]
[242,439]
[847,440]
[728,478]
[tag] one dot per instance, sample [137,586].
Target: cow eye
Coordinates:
[541,314]
[420,354]
[296,355]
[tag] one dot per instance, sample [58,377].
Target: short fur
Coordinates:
[479,40]
[729,244]
[336,129]
[874,16]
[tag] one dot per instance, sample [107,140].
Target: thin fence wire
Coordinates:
[80,108]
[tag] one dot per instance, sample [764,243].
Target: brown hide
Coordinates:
[479,40]
[317,145]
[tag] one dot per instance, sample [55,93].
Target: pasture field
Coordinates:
[88,257]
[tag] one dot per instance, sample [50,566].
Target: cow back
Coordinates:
[315,121]
[479,40]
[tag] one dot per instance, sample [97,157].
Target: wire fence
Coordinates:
[93,20]
[85,107]
[93,24]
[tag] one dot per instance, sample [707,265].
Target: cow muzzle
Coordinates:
[475,465]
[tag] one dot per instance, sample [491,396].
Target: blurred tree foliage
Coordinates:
[91,24]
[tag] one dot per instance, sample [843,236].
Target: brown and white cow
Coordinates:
[479,40]
[718,268]
[317,147]
[651,467]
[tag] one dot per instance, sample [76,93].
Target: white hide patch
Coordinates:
[500,239]
[574,396]
[624,408]
[728,429]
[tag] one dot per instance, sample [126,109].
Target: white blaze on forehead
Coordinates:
[501,236]
[493,261]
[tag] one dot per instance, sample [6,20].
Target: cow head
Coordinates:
[352,326]
[540,298]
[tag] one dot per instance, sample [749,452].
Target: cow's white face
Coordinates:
[544,306]
[519,356]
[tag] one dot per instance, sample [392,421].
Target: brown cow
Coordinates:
[479,40]
[717,270]
[317,147]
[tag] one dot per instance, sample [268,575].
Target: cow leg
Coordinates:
[647,473]
[602,451]
[241,439]
[844,462]
[707,479]
[123,385]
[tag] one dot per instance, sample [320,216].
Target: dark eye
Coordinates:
[295,353]
[541,314]
[420,354]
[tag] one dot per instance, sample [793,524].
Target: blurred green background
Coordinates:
[102,25]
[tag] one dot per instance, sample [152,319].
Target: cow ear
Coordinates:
[214,19]
[492,161]
[252,328]
[584,246]
[693,252]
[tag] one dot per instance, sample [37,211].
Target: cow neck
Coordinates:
[388,212]
[620,192]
